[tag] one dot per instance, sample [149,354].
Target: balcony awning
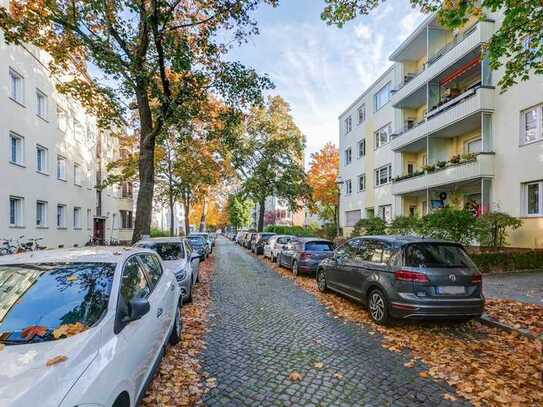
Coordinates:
[460,71]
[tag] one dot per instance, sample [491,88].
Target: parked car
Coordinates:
[206,237]
[178,257]
[200,245]
[84,326]
[303,254]
[250,240]
[405,277]
[259,241]
[274,245]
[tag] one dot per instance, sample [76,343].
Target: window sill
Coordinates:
[62,228]
[42,227]
[77,185]
[534,216]
[17,227]
[18,102]
[42,118]
[62,179]
[42,173]
[529,143]
[17,164]
[78,228]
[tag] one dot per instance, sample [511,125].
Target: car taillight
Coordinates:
[305,255]
[477,279]
[404,275]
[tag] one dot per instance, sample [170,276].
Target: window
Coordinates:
[79,131]
[16,86]
[361,182]
[351,217]
[348,124]
[348,156]
[16,148]
[126,219]
[385,213]
[89,219]
[61,216]
[382,136]
[41,159]
[441,255]
[473,146]
[114,221]
[77,218]
[77,174]
[348,187]
[382,97]
[362,114]
[152,264]
[41,104]
[134,285]
[15,211]
[410,168]
[126,190]
[62,119]
[383,175]
[532,124]
[61,168]
[534,198]
[41,213]
[361,148]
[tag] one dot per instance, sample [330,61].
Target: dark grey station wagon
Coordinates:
[405,277]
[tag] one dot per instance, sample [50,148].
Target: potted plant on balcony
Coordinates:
[469,157]
[455,159]
[441,164]
[429,168]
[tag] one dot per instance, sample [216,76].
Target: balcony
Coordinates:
[448,55]
[456,111]
[481,166]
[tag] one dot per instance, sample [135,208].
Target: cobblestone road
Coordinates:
[262,327]
[526,287]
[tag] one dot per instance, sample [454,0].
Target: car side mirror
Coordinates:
[137,309]
[194,256]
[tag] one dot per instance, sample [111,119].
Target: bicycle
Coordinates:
[32,245]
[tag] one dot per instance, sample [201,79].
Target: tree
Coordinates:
[452,224]
[405,225]
[272,154]
[517,44]
[239,211]
[369,226]
[492,228]
[323,171]
[162,55]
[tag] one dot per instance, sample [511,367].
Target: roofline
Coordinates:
[411,37]
[368,89]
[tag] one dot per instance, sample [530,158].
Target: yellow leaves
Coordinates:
[295,376]
[71,278]
[2,346]
[338,376]
[211,382]
[323,171]
[67,330]
[448,396]
[411,363]
[318,365]
[424,375]
[56,360]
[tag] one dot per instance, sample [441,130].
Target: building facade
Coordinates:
[48,159]
[456,140]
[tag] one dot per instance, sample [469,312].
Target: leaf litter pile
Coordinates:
[516,314]
[485,365]
[179,381]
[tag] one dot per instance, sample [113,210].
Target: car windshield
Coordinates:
[319,246]
[265,238]
[436,255]
[166,251]
[196,241]
[45,302]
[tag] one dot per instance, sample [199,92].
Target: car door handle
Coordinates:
[159,312]
[172,287]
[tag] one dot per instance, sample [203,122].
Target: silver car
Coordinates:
[274,246]
[177,256]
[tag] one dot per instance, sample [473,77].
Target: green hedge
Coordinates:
[155,232]
[508,261]
[291,230]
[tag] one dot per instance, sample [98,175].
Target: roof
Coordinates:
[112,254]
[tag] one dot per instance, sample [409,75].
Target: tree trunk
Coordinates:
[186,213]
[172,217]
[203,216]
[261,210]
[144,205]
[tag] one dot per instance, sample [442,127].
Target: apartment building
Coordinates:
[457,140]
[48,159]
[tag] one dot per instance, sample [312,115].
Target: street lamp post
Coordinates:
[339,182]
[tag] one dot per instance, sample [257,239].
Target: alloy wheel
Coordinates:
[377,306]
[321,280]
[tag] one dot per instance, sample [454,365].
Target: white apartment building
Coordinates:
[457,141]
[161,218]
[48,159]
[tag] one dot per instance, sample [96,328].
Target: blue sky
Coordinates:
[321,69]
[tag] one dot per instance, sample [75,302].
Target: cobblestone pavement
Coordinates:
[525,287]
[263,327]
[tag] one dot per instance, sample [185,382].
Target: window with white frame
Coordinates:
[382,136]
[348,155]
[41,159]
[16,148]
[361,182]
[77,174]
[16,211]
[382,97]
[41,213]
[61,168]
[383,175]
[361,114]
[89,219]
[361,148]
[126,219]
[41,104]
[62,119]
[61,216]
[352,217]
[531,124]
[77,218]
[348,187]
[473,146]
[16,86]
[348,125]
[533,197]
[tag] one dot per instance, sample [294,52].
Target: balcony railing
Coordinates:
[457,40]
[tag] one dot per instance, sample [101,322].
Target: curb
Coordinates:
[486,320]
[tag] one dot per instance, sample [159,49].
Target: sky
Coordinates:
[319,69]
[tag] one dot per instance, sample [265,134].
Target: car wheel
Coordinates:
[378,307]
[189,297]
[321,281]
[175,336]
[295,268]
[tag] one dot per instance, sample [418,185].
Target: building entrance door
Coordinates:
[99,230]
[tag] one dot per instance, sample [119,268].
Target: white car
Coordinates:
[274,246]
[84,327]
[178,257]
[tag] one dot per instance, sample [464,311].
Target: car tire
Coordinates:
[175,336]
[294,268]
[378,307]
[321,281]
[188,300]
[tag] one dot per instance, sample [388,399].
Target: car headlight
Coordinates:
[181,274]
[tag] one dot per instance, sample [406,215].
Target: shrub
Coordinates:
[291,230]
[155,232]
[492,229]
[328,231]
[405,225]
[369,226]
[508,261]
[449,224]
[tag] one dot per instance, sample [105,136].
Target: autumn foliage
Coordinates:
[323,171]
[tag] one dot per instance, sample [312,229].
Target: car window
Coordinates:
[134,284]
[154,269]
[166,251]
[436,255]
[319,246]
[371,250]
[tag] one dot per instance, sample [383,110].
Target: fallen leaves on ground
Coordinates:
[179,381]
[485,365]
[31,331]
[318,365]
[517,314]
[295,376]
[66,330]
[56,360]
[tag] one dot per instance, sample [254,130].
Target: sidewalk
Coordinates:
[525,287]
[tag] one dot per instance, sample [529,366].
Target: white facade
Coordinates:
[48,162]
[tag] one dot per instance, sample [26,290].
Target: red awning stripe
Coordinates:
[459,71]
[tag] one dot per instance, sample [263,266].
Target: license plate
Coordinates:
[451,290]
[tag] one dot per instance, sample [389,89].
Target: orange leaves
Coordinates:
[67,330]
[517,314]
[295,376]
[322,174]
[56,360]
[30,332]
